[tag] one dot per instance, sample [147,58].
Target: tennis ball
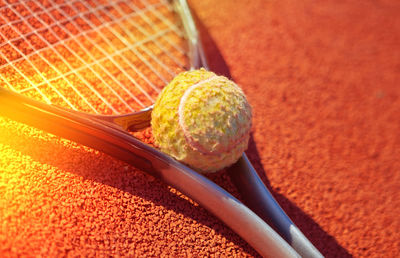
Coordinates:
[202,120]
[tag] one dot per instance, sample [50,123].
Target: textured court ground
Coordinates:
[323,79]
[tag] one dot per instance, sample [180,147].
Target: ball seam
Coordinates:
[181,121]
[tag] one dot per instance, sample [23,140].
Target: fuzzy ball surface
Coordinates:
[202,120]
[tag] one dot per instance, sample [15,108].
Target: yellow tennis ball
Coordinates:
[202,120]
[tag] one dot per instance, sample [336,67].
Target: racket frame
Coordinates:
[108,134]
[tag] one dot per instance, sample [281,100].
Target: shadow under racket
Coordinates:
[325,243]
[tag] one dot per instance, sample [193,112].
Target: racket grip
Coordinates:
[260,200]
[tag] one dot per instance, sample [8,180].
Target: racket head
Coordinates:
[106,58]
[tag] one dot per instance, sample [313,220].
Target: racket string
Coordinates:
[38,16]
[95,56]
[116,64]
[145,32]
[117,35]
[53,67]
[49,66]
[46,82]
[151,56]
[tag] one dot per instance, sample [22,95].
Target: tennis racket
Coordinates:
[89,71]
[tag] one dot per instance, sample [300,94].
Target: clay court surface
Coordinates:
[323,78]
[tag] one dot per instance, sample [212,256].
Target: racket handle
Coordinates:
[261,201]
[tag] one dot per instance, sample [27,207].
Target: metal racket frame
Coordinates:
[107,134]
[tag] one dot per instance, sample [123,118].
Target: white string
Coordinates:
[120,32]
[36,15]
[156,42]
[114,63]
[101,66]
[126,42]
[106,58]
[38,72]
[24,76]
[170,25]
[88,51]
[51,47]
[129,45]
[95,62]
[145,49]
[116,53]
[74,71]
[144,60]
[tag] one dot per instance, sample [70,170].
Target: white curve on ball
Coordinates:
[188,137]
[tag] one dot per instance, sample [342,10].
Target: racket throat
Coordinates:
[128,122]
